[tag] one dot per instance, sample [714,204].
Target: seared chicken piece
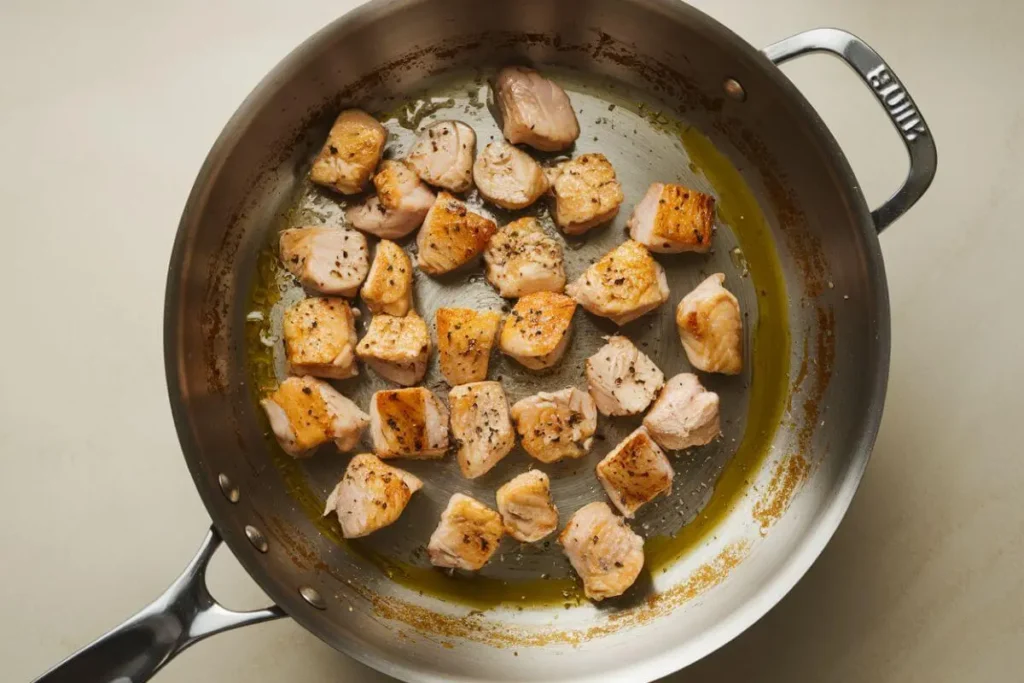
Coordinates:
[534,110]
[508,176]
[396,348]
[481,426]
[672,218]
[329,260]
[685,415]
[526,507]
[625,284]
[467,535]
[320,338]
[398,208]
[464,341]
[521,259]
[622,379]
[711,328]
[451,236]
[353,149]
[586,193]
[370,496]
[443,155]
[606,553]
[388,287]
[556,425]
[536,333]
[305,412]
[635,472]
[408,423]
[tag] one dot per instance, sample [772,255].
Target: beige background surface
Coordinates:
[107,110]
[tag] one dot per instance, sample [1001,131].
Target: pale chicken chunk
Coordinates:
[558,425]
[467,535]
[534,110]
[606,553]
[305,412]
[536,333]
[332,261]
[396,348]
[408,423]
[526,507]
[685,415]
[521,259]
[320,338]
[622,379]
[353,149]
[481,426]
[635,472]
[443,155]
[399,207]
[370,496]
[451,236]
[672,218]
[388,287]
[586,192]
[623,285]
[711,327]
[465,338]
[507,176]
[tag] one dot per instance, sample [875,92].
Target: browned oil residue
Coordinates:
[789,473]
[302,555]
[825,353]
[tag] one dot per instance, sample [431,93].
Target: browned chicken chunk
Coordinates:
[536,333]
[333,261]
[672,218]
[622,379]
[388,287]
[305,412]
[625,284]
[408,423]
[635,472]
[396,348]
[556,425]
[526,507]
[320,338]
[606,553]
[711,327]
[481,426]
[467,535]
[587,193]
[535,110]
[685,415]
[353,149]
[507,176]
[443,155]
[399,207]
[521,259]
[370,496]
[451,236]
[465,338]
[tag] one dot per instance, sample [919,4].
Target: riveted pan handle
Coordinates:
[893,97]
[185,614]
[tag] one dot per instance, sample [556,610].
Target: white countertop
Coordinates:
[107,110]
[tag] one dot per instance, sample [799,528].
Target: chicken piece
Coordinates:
[443,155]
[534,110]
[521,259]
[685,415]
[625,284]
[370,496]
[711,327]
[672,218]
[399,207]
[526,507]
[481,426]
[320,338]
[587,193]
[467,535]
[328,260]
[606,553]
[622,379]
[635,472]
[536,333]
[556,425]
[408,423]
[353,149]
[508,176]
[465,338]
[451,236]
[396,348]
[305,412]
[388,287]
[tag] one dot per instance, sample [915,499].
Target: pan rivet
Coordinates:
[311,596]
[734,90]
[229,490]
[256,537]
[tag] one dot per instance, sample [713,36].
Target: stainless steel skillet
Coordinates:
[666,93]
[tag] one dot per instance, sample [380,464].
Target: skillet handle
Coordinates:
[893,97]
[134,651]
